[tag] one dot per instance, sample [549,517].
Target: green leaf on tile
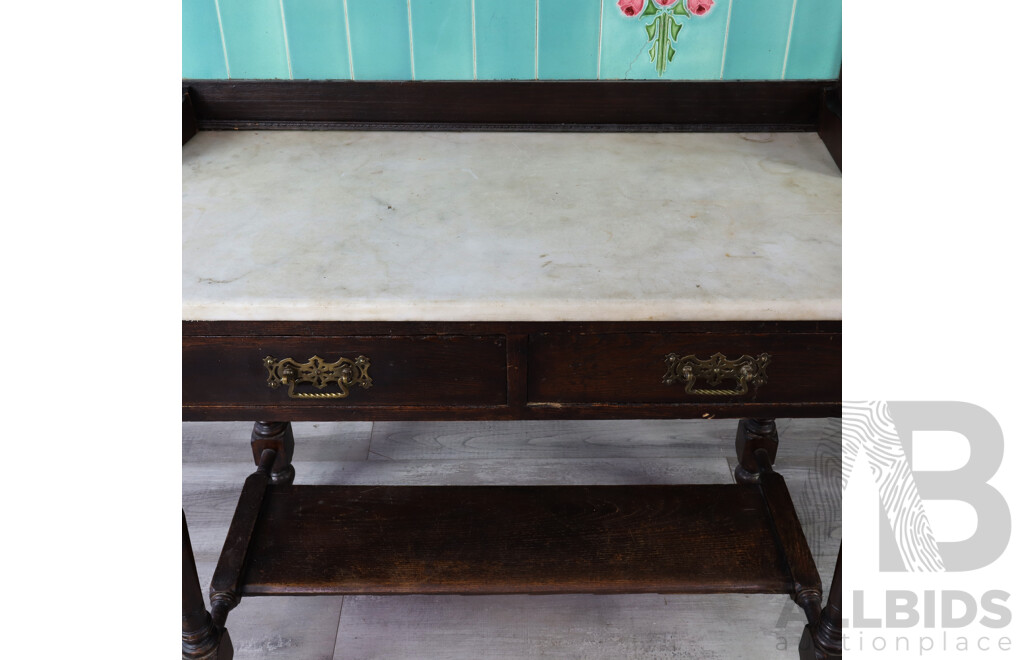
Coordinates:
[676,27]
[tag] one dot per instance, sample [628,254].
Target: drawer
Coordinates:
[405,371]
[630,368]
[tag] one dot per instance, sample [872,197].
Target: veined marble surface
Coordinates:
[510,227]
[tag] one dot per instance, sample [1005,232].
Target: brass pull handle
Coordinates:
[746,371]
[344,373]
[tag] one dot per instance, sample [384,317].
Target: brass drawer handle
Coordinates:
[344,373]
[746,371]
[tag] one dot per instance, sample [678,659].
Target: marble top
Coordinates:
[440,226]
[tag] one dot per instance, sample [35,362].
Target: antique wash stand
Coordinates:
[500,251]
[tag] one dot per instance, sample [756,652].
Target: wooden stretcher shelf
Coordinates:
[303,540]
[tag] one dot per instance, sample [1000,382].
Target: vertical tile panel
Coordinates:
[316,38]
[699,46]
[568,41]
[757,39]
[442,33]
[624,45]
[625,48]
[505,39]
[816,48]
[380,39]
[254,37]
[202,53]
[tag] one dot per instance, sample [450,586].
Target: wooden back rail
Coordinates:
[652,106]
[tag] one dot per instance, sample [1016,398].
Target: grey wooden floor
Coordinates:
[216,459]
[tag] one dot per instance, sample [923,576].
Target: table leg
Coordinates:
[751,435]
[277,436]
[823,640]
[200,638]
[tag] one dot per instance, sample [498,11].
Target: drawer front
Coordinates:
[404,370]
[633,368]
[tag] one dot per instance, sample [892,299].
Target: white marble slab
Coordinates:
[509,226]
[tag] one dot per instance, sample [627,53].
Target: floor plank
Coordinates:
[283,627]
[620,627]
[553,439]
[203,442]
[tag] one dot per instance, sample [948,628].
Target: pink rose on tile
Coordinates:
[631,7]
[666,3]
[698,7]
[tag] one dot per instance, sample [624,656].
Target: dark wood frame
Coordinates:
[508,105]
[653,106]
[209,347]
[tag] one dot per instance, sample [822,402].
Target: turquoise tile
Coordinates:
[380,39]
[626,44]
[254,38]
[202,52]
[316,39]
[567,42]
[505,39]
[757,39]
[442,39]
[816,48]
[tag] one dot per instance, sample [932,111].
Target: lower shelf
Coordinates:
[292,540]
[514,539]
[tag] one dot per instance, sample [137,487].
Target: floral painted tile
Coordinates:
[663,21]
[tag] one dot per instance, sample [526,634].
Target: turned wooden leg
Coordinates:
[200,638]
[751,435]
[277,436]
[823,640]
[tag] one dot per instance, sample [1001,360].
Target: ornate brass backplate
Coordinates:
[746,371]
[344,373]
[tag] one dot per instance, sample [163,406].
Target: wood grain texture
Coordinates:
[406,370]
[214,442]
[442,371]
[574,626]
[514,539]
[602,627]
[389,328]
[628,367]
[507,105]
[553,411]
[226,586]
[581,440]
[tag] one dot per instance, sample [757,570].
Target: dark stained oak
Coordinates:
[277,436]
[503,371]
[359,413]
[830,122]
[790,105]
[226,585]
[628,367]
[188,119]
[823,639]
[514,539]
[406,370]
[790,537]
[388,328]
[201,639]
[752,435]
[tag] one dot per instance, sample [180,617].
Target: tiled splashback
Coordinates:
[512,39]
